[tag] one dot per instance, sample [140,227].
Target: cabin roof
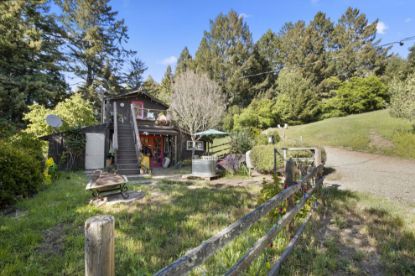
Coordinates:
[138,92]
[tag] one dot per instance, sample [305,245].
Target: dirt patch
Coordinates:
[109,200]
[377,141]
[53,240]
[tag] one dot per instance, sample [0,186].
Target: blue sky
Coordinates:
[160,29]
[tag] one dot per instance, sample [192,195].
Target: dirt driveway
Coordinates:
[381,175]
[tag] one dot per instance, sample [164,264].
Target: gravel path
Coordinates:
[377,174]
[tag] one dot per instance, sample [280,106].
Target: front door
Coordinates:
[153,146]
[94,151]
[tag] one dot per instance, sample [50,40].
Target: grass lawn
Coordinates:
[356,234]
[47,235]
[376,132]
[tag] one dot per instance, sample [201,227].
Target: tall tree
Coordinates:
[165,91]
[151,86]
[134,77]
[356,50]
[184,62]
[30,60]
[95,38]
[189,111]
[226,46]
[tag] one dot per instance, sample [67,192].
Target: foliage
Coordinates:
[259,114]
[31,145]
[240,141]
[222,52]
[197,103]
[269,190]
[50,173]
[75,112]
[262,137]
[184,62]
[20,174]
[403,98]
[165,89]
[74,148]
[30,58]
[134,77]
[296,102]
[95,40]
[263,158]
[357,95]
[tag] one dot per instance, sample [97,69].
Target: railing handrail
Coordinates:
[198,255]
[115,136]
[137,142]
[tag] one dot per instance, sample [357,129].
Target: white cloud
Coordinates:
[381,27]
[244,15]
[169,60]
[408,19]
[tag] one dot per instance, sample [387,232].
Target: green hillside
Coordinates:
[376,132]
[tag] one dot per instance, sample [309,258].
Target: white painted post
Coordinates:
[99,246]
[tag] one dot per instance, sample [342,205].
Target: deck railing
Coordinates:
[148,114]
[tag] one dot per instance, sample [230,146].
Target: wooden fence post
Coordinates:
[99,246]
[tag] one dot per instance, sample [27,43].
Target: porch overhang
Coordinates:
[157,130]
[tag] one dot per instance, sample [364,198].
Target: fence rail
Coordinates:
[200,254]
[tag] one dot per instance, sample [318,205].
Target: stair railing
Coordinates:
[115,134]
[137,141]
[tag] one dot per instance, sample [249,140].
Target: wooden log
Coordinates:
[99,246]
[198,255]
[276,267]
[254,251]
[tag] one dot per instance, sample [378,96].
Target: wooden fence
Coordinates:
[98,235]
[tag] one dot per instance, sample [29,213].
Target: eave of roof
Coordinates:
[138,92]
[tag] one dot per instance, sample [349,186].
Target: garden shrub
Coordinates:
[240,142]
[32,145]
[20,174]
[357,95]
[262,138]
[262,157]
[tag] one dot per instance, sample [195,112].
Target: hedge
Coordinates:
[262,157]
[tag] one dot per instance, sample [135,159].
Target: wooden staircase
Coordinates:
[127,162]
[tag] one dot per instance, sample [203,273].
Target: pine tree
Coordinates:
[30,59]
[151,86]
[356,51]
[134,78]
[165,91]
[184,62]
[95,37]
[223,50]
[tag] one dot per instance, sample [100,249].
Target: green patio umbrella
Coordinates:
[211,132]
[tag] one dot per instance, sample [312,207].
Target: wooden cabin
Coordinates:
[137,132]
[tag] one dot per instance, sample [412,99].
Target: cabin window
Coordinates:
[198,145]
[139,109]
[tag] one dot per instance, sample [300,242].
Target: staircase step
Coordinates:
[131,166]
[128,171]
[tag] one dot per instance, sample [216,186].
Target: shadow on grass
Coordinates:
[154,235]
[349,237]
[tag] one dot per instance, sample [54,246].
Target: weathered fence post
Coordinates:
[99,246]
[317,157]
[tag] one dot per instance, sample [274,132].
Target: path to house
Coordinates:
[377,174]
